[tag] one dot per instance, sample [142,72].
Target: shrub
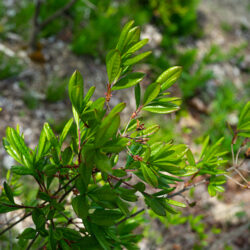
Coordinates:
[80,177]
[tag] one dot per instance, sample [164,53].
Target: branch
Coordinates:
[131,216]
[29,214]
[56,14]
[19,206]
[65,194]
[32,242]
[12,225]
[187,188]
[35,28]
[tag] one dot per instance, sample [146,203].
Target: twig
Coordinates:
[232,151]
[29,214]
[35,28]
[131,216]
[240,174]
[237,156]
[186,188]
[32,242]
[12,225]
[19,206]
[57,14]
[229,177]
[65,194]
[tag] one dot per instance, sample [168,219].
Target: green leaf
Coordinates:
[103,162]
[115,146]
[105,217]
[21,170]
[38,218]
[137,46]
[8,192]
[76,90]
[175,203]
[85,172]
[204,146]
[51,239]
[66,130]
[67,156]
[70,234]
[5,209]
[155,205]
[28,233]
[132,37]
[169,77]
[160,109]
[80,206]
[149,175]
[50,135]
[169,208]
[100,236]
[107,131]
[190,157]
[137,95]
[123,207]
[89,95]
[123,37]
[211,190]
[136,59]
[113,63]
[151,93]
[105,193]
[17,142]
[41,145]
[129,80]
[243,127]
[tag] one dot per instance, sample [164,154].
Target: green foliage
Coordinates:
[79,174]
[9,66]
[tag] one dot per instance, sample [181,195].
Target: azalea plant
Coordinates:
[90,177]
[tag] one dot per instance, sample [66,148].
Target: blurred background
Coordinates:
[42,42]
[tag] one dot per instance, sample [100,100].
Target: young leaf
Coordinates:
[123,37]
[128,81]
[155,205]
[105,217]
[137,95]
[161,109]
[123,207]
[5,209]
[76,90]
[89,95]
[137,46]
[103,162]
[244,121]
[169,77]
[21,170]
[28,233]
[149,175]
[190,157]
[106,131]
[8,192]
[38,218]
[66,130]
[113,63]
[18,144]
[41,145]
[175,203]
[136,59]
[100,236]
[151,93]
[80,206]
